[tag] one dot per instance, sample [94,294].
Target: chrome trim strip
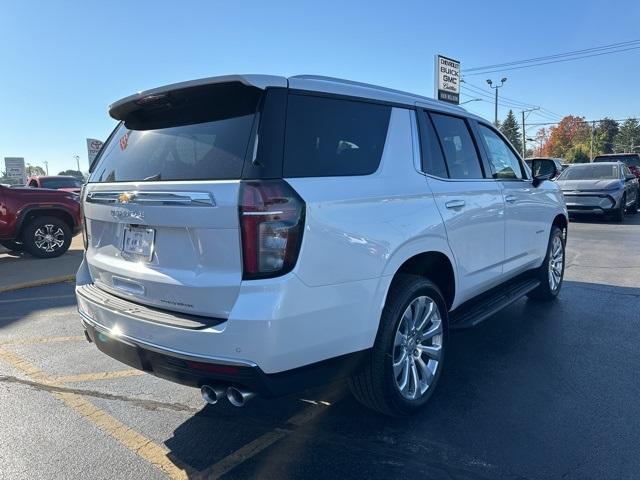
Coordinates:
[272,212]
[135,342]
[204,199]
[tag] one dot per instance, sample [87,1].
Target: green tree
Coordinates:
[605,134]
[511,130]
[577,154]
[628,138]
[73,173]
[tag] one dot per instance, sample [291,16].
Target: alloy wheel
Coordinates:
[49,238]
[556,262]
[417,350]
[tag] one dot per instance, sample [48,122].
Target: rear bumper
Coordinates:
[276,325]
[195,371]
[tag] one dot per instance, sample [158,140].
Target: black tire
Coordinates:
[32,237]
[618,215]
[13,246]
[374,384]
[545,291]
[633,209]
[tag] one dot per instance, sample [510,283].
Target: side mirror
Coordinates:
[543,169]
[630,176]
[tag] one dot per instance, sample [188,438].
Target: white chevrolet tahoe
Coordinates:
[256,235]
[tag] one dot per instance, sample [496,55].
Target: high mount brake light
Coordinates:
[272,222]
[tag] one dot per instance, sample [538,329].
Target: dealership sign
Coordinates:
[447,82]
[93,147]
[14,168]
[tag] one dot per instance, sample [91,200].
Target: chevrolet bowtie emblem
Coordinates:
[125,197]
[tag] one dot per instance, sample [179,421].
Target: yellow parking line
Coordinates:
[93,377]
[256,446]
[129,438]
[234,459]
[38,340]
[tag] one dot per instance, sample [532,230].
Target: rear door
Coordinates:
[528,213]
[471,204]
[161,205]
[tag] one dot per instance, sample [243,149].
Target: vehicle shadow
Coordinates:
[498,382]
[18,304]
[629,219]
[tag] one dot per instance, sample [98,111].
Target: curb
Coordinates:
[38,283]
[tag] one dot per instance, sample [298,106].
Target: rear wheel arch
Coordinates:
[435,266]
[29,215]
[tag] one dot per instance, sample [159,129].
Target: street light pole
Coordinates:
[496,87]
[77,157]
[472,100]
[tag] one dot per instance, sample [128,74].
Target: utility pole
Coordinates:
[77,157]
[46,166]
[496,87]
[524,137]
[593,124]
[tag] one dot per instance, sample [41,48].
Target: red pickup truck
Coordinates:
[40,221]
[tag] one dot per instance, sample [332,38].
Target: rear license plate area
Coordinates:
[139,241]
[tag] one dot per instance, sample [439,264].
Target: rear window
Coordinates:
[191,135]
[333,137]
[56,183]
[626,159]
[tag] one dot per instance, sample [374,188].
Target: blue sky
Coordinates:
[62,63]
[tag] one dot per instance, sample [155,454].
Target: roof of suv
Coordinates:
[314,83]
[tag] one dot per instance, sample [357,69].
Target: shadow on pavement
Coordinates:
[18,304]
[536,390]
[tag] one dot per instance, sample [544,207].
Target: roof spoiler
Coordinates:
[121,109]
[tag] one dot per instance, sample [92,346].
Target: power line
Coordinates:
[619,120]
[553,61]
[553,56]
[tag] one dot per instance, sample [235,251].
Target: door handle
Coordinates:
[510,198]
[454,204]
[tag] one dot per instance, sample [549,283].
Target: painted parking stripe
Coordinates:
[94,377]
[129,438]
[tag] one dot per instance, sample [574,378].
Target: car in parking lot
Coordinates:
[631,160]
[254,234]
[38,220]
[66,183]
[602,188]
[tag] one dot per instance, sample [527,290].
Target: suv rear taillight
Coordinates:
[271,221]
[85,234]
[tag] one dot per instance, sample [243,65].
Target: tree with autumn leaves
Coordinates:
[572,138]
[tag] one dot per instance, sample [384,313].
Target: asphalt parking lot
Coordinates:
[537,391]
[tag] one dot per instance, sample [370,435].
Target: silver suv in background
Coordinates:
[601,188]
[255,235]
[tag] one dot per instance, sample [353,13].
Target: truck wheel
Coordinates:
[405,363]
[13,246]
[46,237]
[551,273]
[633,209]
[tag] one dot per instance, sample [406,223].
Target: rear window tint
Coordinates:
[192,134]
[333,137]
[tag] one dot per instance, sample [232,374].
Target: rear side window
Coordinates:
[504,163]
[333,137]
[459,151]
[432,158]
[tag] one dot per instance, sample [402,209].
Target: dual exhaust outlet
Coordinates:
[238,397]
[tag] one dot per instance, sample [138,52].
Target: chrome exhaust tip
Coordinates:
[238,397]
[211,393]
